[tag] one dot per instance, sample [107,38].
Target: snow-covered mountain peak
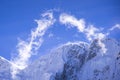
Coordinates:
[73,61]
[77,61]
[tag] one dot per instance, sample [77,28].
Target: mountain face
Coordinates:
[73,61]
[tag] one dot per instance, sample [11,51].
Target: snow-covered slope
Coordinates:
[76,61]
[47,66]
[104,67]
[4,69]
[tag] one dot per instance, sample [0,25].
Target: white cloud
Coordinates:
[102,45]
[90,31]
[117,26]
[70,20]
[114,27]
[94,33]
[27,48]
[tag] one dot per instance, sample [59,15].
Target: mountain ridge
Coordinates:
[76,61]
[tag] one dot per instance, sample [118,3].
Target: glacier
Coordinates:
[72,61]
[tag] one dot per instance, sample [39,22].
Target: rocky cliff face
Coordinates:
[76,61]
[92,64]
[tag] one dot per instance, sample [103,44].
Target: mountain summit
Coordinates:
[72,61]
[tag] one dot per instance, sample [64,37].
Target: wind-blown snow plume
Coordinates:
[90,31]
[114,27]
[71,20]
[27,48]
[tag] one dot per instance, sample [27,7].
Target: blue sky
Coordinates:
[17,19]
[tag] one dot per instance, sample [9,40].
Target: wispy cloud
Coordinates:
[114,27]
[27,48]
[72,21]
[90,31]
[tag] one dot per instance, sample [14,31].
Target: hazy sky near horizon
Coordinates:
[17,20]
